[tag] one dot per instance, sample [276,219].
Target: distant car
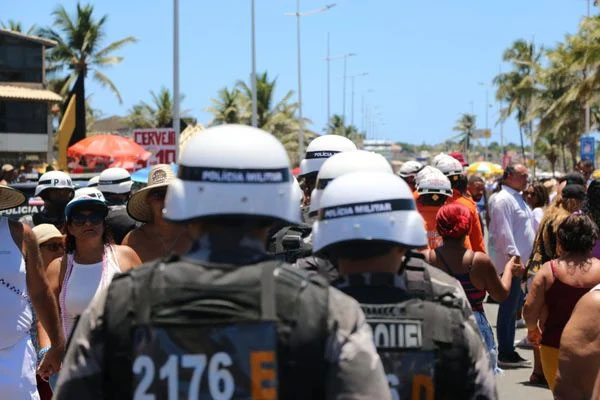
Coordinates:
[35,203]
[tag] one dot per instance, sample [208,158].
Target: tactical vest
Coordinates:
[419,338]
[216,331]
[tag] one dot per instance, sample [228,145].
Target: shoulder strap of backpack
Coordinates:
[418,280]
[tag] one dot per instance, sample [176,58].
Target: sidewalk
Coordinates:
[514,383]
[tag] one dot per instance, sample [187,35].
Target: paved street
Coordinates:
[514,383]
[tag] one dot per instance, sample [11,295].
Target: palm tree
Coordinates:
[466,126]
[158,114]
[265,90]
[79,48]
[229,108]
[16,26]
[337,126]
[278,118]
[517,87]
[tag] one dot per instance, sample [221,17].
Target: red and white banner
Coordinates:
[160,142]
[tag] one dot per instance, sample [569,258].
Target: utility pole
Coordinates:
[298,14]
[176,122]
[253,77]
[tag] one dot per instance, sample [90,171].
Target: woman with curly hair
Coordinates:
[473,269]
[591,207]
[570,199]
[557,287]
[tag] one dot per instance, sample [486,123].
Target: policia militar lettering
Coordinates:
[422,325]
[225,321]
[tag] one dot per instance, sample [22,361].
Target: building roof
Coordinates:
[111,124]
[31,38]
[22,93]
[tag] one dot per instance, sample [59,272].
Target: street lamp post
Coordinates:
[344,95]
[328,59]
[352,104]
[176,122]
[298,14]
[253,77]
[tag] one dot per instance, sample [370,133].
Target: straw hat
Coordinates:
[160,175]
[10,198]
[45,232]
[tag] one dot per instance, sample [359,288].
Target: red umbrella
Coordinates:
[117,148]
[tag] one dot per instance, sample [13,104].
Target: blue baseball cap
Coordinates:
[86,196]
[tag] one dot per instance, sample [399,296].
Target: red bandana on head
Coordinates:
[453,220]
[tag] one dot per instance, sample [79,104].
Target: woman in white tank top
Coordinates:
[91,260]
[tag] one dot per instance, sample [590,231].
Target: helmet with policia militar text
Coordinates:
[343,163]
[115,181]
[233,170]
[54,180]
[368,206]
[432,181]
[320,149]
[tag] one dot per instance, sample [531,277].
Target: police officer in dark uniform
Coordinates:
[115,184]
[291,242]
[423,330]
[226,320]
[56,189]
[338,165]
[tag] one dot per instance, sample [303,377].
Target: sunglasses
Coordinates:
[53,246]
[80,219]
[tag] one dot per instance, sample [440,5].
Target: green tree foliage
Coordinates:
[79,48]
[279,118]
[466,126]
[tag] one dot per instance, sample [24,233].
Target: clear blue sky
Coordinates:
[424,58]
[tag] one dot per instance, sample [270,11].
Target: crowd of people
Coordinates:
[234,279]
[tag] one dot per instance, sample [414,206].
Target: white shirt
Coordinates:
[512,230]
[538,215]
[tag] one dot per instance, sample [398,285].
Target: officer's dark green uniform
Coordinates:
[226,320]
[422,325]
[424,332]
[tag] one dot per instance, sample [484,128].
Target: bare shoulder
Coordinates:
[135,236]
[127,257]
[589,305]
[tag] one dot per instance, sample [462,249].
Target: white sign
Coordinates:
[158,141]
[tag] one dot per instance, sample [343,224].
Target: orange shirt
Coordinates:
[434,240]
[475,234]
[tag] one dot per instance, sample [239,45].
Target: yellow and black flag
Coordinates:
[72,125]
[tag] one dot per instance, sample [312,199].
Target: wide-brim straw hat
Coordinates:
[10,198]
[138,208]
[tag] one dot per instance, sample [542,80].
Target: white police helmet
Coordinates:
[430,180]
[115,180]
[410,168]
[54,180]
[86,195]
[321,148]
[448,165]
[93,182]
[233,170]
[343,163]
[368,206]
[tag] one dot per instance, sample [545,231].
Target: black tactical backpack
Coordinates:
[221,331]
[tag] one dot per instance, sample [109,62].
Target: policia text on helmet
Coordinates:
[225,320]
